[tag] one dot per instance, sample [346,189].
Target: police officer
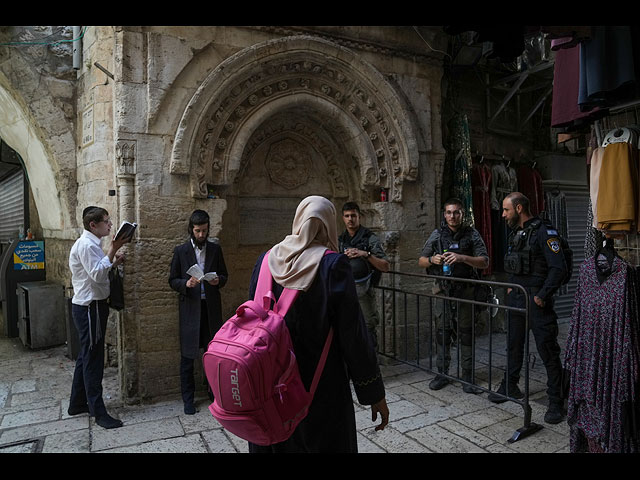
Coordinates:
[466,253]
[536,261]
[368,260]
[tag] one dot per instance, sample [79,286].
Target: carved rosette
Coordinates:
[321,76]
[287,164]
[307,134]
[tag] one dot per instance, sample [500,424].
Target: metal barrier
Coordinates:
[404,331]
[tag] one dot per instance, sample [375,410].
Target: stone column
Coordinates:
[125,156]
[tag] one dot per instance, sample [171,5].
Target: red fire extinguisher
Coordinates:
[383,195]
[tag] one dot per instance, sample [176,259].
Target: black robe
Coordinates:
[331,300]
[189,298]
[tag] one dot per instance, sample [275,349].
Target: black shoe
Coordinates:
[470,388]
[555,414]
[439,382]
[514,392]
[189,409]
[78,410]
[107,421]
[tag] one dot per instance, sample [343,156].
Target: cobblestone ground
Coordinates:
[35,385]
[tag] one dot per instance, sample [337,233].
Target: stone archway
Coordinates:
[234,99]
[17,130]
[284,119]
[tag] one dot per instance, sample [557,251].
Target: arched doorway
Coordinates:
[284,119]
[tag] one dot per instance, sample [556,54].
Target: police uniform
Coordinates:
[364,274]
[466,241]
[536,261]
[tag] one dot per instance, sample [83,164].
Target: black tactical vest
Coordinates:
[523,257]
[458,242]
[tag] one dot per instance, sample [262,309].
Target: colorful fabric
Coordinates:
[602,359]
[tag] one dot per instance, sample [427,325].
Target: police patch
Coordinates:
[554,245]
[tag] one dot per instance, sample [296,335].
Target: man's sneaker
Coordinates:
[514,392]
[555,413]
[439,382]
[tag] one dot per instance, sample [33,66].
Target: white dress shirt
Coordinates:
[89,270]
[201,253]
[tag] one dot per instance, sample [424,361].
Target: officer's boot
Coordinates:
[467,377]
[556,412]
[513,392]
[439,382]
[442,353]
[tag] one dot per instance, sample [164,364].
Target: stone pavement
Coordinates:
[35,385]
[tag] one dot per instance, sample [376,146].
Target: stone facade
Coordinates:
[241,122]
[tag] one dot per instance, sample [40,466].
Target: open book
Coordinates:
[126,230]
[196,271]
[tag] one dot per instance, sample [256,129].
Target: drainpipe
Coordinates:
[77,48]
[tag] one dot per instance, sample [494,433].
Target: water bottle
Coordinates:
[446,269]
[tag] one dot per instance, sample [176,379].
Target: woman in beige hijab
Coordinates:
[327,299]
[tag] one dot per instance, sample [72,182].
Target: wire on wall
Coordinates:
[57,42]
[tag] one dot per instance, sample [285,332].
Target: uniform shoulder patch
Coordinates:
[554,244]
[552,232]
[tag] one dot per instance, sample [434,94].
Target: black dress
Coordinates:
[331,300]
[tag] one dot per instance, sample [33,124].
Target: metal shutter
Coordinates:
[11,206]
[577,202]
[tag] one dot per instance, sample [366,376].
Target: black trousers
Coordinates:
[187,365]
[86,387]
[543,323]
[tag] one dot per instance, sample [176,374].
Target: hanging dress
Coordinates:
[503,182]
[601,359]
[530,182]
[481,183]
[457,169]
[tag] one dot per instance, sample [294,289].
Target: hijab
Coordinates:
[294,261]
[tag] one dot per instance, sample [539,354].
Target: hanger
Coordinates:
[618,135]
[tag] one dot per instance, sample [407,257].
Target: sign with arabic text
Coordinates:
[29,255]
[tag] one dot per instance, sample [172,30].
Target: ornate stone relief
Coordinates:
[287,164]
[125,157]
[357,97]
[307,134]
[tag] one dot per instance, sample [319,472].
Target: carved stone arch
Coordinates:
[247,88]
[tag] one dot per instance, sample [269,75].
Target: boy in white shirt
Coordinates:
[90,278]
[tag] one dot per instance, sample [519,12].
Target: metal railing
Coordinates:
[412,332]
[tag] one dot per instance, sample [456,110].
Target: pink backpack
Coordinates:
[253,372]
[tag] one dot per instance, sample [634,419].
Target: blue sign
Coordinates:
[29,255]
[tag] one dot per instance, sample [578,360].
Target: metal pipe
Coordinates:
[77,48]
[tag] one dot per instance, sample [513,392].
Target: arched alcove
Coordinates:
[17,131]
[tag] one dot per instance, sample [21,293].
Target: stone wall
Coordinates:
[243,123]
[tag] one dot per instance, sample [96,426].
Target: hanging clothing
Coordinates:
[608,74]
[530,184]
[457,168]
[565,111]
[590,237]
[594,181]
[481,183]
[503,181]
[602,359]
[617,201]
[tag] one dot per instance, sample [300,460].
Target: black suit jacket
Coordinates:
[189,298]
